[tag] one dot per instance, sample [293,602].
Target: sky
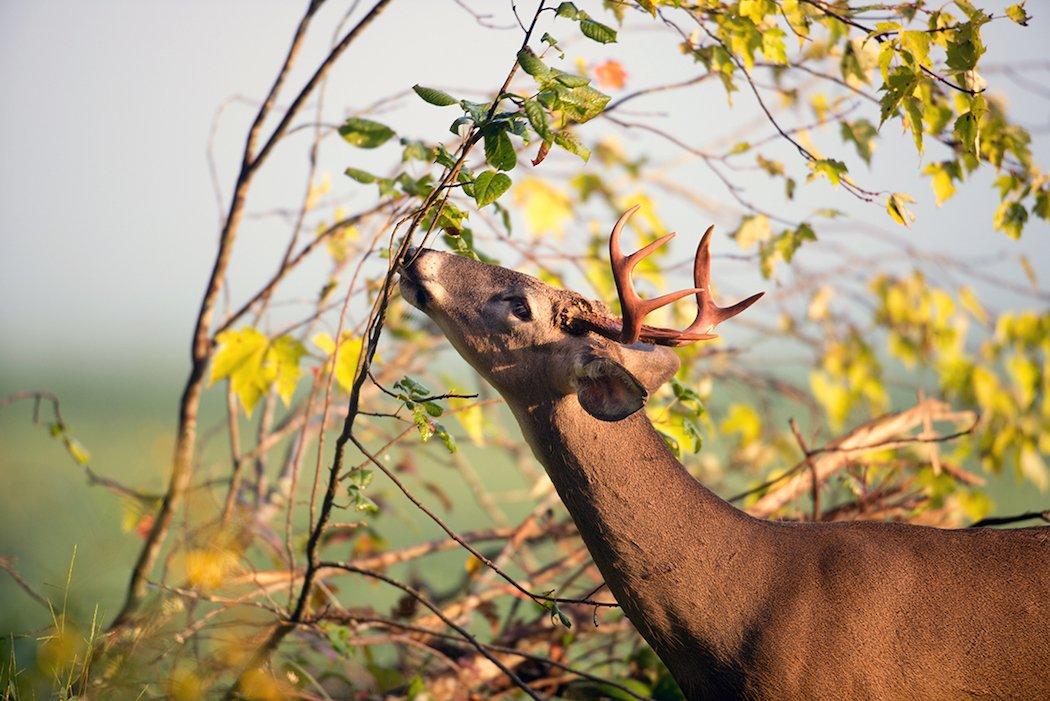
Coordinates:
[108,217]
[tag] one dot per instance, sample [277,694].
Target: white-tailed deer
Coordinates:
[736,607]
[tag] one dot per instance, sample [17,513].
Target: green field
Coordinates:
[48,511]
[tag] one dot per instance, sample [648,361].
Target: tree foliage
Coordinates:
[530,178]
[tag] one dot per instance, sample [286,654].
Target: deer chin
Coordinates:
[420,290]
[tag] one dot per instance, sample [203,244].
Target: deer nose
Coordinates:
[422,264]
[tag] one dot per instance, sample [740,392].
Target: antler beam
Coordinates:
[634,309]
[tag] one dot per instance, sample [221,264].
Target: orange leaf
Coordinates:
[610,75]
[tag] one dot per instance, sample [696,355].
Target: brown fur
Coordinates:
[735,606]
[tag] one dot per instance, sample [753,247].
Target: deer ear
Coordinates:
[612,388]
[607,391]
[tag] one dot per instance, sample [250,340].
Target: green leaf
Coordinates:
[861,134]
[488,187]
[597,31]
[966,132]
[458,123]
[364,133]
[434,96]
[913,108]
[478,111]
[537,117]
[446,438]
[1017,14]
[582,103]
[568,10]
[1042,204]
[569,142]
[1010,218]
[531,64]
[361,176]
[570,80]
[499,152]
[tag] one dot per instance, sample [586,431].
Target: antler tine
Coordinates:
[633,307]
[708,314]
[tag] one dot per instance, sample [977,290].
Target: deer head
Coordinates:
[532,341]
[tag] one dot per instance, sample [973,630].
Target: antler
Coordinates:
[634,308]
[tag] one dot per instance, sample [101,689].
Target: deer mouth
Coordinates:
[413,286]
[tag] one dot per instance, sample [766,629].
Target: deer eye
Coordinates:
[519,307]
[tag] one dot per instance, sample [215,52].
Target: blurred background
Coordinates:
[110,207]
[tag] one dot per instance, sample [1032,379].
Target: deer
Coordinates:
[736,607]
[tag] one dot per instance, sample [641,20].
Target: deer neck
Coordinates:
[670,550]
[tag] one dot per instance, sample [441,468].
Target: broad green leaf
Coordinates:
[582,103]
[531,64]
[597,31]
[488,187]
[567,10]
[435,96]
[537,117]
[364,133]
[499,152]
[569,80]
[361,176]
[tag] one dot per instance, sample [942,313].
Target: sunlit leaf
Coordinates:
[365,133]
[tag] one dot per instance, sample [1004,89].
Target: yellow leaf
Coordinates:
[259,685]
[741,419]
[471,417]
[208,568]
[895,205]
[753,230]
[818,305]
[284,353]
[546,209]
[253,363]
[318,190]
[346,359]
[970,302]
[61,650]
[240,359]
[773,45]
[184,685]
[1033,467]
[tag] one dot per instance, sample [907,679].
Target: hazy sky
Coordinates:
[108,219]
